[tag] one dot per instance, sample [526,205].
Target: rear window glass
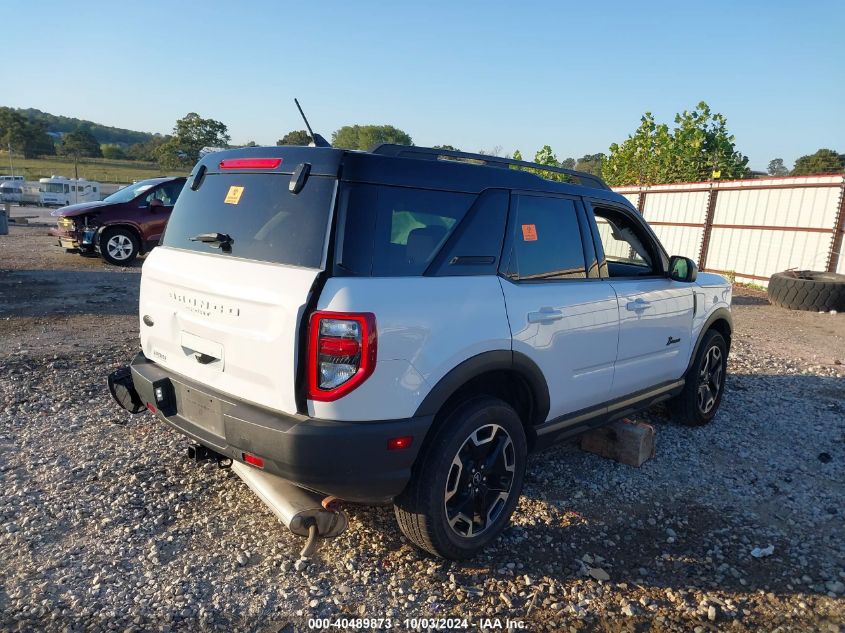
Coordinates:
[396,231]
[265,221]
[547,240]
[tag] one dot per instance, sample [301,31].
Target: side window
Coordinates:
[628,252]
[167,193]
[547,240]
[397,231]
[152,195]
[171,191]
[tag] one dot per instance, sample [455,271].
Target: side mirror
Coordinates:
[682,269]
[155,204]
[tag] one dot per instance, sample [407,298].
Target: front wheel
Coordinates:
[705,383]
[466,482]
[119,246]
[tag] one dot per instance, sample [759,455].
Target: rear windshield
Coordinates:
[264,220]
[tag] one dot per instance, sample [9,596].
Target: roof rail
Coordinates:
[430,153]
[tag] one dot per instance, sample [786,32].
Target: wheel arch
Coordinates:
[504,374]
[720,320]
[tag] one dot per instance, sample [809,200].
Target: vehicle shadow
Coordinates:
[767,471]
[30,293]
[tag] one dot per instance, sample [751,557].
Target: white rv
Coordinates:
[23,193]
[61,191]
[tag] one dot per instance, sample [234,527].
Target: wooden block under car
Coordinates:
[627,442]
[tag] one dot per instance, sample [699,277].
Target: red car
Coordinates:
[124,225]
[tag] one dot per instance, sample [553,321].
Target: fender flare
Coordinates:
[719,314]
[496,360]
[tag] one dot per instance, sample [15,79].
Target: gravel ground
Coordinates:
[106,526]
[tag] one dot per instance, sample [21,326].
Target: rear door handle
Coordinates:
[637,305]
[544,315]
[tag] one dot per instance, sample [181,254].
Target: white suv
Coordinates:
[405,325]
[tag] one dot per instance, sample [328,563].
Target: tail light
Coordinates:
[341,353]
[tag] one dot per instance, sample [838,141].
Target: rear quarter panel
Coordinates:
[426,326]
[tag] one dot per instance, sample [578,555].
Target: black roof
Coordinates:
[419,167]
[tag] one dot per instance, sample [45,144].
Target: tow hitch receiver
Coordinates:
[200,454]
[123,390]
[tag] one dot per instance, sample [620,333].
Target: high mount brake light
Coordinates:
[250,163]
[342,353]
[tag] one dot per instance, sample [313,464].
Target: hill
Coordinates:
[99,169]
[103,133]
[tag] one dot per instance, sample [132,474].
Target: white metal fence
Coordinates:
[750,228]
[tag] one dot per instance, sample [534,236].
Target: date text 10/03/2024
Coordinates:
[432,624]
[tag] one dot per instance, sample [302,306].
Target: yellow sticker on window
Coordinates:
[234,195]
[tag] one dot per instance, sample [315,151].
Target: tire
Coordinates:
[698,403]
[807,290]
[119,246]
[459,455]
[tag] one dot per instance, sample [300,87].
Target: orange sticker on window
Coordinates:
[529,232]
[234,195]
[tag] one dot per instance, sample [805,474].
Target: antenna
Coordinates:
[316,139]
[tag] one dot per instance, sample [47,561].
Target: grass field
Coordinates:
[99,169]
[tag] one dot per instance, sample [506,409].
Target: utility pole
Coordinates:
[11,169]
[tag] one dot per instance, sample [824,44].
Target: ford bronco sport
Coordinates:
[407,324]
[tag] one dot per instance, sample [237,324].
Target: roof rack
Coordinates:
[430,153]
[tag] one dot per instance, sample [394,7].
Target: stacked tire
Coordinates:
[807,290]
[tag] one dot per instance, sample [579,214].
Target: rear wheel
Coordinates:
[119,246]
[467,481]
[705,383]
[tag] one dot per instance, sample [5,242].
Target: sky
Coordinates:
[477,75]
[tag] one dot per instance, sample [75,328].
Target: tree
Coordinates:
[147,150]
[364,137]
[113,152]
[25,137]
[295,137]
[495,151]
[446,147]
[699,147]
[824,161]
[190,134]
[39,142]
[589,163]
[63,125]
[777,168]
[544,156]
[80,144]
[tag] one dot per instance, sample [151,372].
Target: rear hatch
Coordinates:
[226,308]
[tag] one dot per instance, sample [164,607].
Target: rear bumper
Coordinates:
[349,460]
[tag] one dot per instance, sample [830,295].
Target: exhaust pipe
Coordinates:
[302,511]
